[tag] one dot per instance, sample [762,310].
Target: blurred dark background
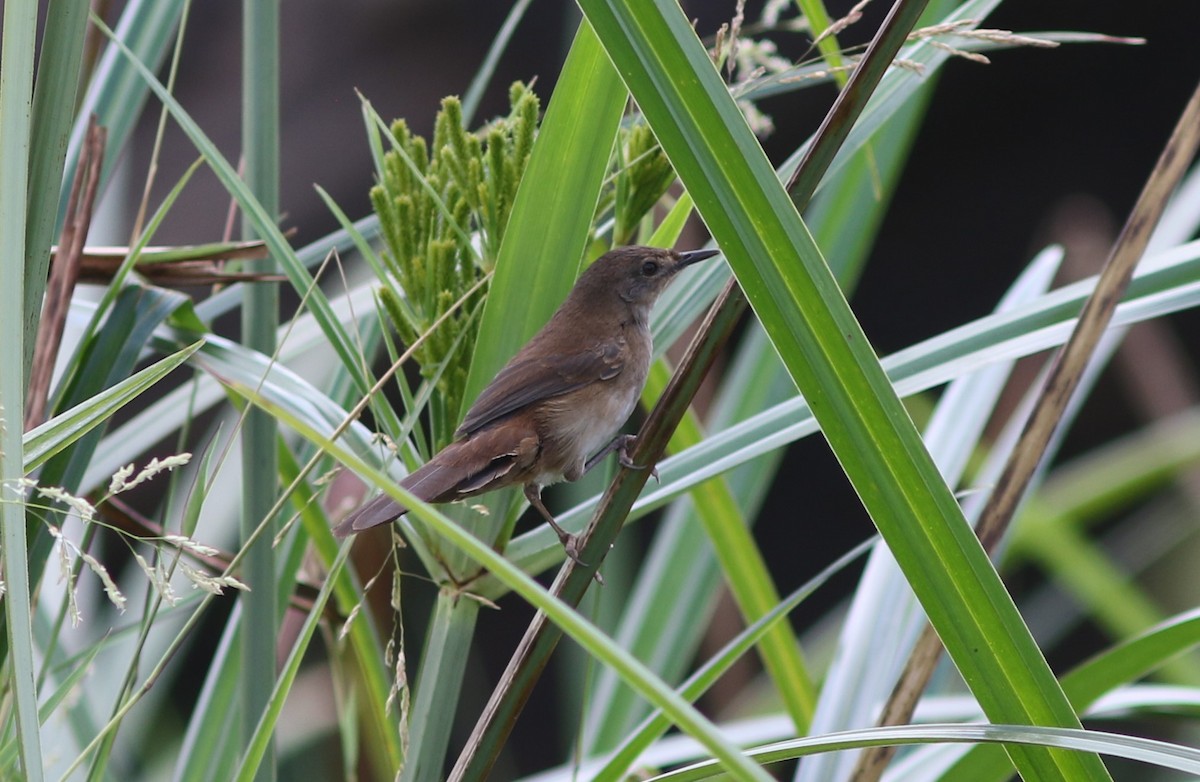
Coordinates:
[1036,147]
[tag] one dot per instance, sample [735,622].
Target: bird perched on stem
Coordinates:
[553,411]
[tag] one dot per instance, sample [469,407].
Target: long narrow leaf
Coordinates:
[53,108]
[260,313]
[16,86]
[261,734]
[1149,751]
[793,294]
[116,94]
[564,616]
[262,221]
[53,436]
[538,261]
[884,620]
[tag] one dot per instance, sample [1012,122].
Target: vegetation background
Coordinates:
[1041,146]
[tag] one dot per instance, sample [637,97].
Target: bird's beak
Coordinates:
[687,259]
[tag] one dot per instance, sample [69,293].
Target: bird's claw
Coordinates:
[626,461]
[570,544]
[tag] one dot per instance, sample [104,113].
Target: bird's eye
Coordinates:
[649,269]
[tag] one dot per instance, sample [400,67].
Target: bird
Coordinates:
[554,410]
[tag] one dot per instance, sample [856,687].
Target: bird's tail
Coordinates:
[437,480]
[378,511]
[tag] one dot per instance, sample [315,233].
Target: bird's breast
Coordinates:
[579,424]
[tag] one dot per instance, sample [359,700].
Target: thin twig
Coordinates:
[1061,382]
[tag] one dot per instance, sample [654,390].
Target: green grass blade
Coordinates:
[746,573]
[262,221]
[537,264]
[55,435]
[109,358]
[233,365]
[790,288]
[53,110]
[260,314]
[258,751]
[69,685]
[474,93]
[16,86]
[634,742]
[564,616]
[1089,490]
[371,676]
[667,613]
[1132,659]
[162,417]
[551,217]
[844,221]
[1123,664]
[1149,751]
[117,94]
[883,614]
[209,751]
[451,627]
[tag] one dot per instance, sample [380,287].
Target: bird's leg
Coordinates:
[623,444]
[570,543]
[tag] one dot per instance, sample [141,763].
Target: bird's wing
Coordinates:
[524,381]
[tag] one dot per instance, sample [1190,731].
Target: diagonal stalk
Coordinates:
[531,656]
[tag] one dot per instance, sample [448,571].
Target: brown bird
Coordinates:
[553,410]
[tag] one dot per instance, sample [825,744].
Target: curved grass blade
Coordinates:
[1148,751]
[258,748]
[792,292]
[1124,663]
[622,759]
[116,94]
[55,435]
[161,418]
[262,222]
[564,616]
[537,264]
[1166,283]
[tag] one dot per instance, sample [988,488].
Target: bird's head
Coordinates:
[637,275]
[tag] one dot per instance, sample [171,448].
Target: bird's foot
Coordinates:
[572,544]
[624,445]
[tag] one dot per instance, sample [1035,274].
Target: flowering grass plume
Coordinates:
[70,554]
[120,481]
[67,552]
